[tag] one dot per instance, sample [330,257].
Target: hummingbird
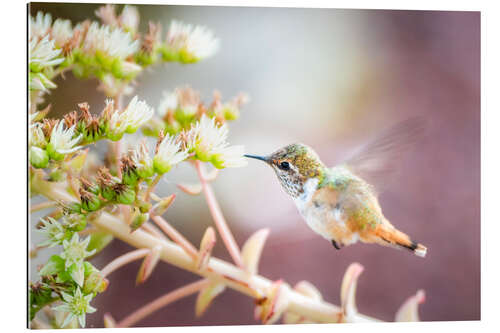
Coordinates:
[341,203]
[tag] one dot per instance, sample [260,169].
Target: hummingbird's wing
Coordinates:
[377,161]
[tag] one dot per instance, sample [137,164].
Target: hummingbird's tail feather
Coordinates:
[394,237]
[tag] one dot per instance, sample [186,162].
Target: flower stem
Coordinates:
[123,260]
[220,222]
[151,187]
[42,205]
[162,301]
[175,236]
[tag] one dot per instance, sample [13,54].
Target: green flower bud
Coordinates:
[114,136]
[138,220]
[143,206]
[231,113]
[160,166]
[56,175]
[202,155]
[72,208]
[53,154]
[125,195]
[90,201]
[217,161]
[76,222]
[145,172]
[95,283]
[107,192]
[39,158]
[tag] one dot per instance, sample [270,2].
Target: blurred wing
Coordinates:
[377,162]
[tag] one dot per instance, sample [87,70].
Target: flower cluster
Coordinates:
[181,108]
[53,139]
[114,51]
[67,277]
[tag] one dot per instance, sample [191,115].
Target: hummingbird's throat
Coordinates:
[292,183]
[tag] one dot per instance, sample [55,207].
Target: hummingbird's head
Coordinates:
[294,165]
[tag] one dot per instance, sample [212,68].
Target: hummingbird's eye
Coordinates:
[285,165]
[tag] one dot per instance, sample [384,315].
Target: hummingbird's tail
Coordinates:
[394,237]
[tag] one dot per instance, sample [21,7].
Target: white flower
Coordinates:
[136,114]
[197,41]
[208,142]
[142,160]
[38,81]
[169,153]
[129,18]
[206,137]
[75,251]
[112,42]
[40,26]
[129,120]
[231,157]
[62,142]
[36,136]
[61,32]
[43,52]
[168,102]
[53,230]
[76,306]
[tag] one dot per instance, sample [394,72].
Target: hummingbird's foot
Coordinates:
[335,245]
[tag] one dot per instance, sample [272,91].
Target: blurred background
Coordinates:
[331,79]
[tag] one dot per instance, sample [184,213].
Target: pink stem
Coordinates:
[162,301]
[175,235]
[218,218]
[123,260]
[42,205]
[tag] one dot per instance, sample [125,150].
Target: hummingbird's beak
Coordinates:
[262,158]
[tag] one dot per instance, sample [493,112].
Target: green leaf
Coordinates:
[99,240]
[55,265]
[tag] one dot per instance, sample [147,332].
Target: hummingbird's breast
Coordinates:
[321,210]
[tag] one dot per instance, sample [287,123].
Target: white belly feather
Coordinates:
[314,219]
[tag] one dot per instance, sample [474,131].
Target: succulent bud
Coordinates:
[138,220]
[129,171]
[124,194]
[39,158]
[160,207]
[90,202]
[95,283]
[76,222]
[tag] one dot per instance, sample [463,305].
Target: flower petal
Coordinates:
[109,321]
[409,310]
[161,207]
[206,296]
[252,250]
[206,246]
[270,308]
[348,290]
[148,265]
